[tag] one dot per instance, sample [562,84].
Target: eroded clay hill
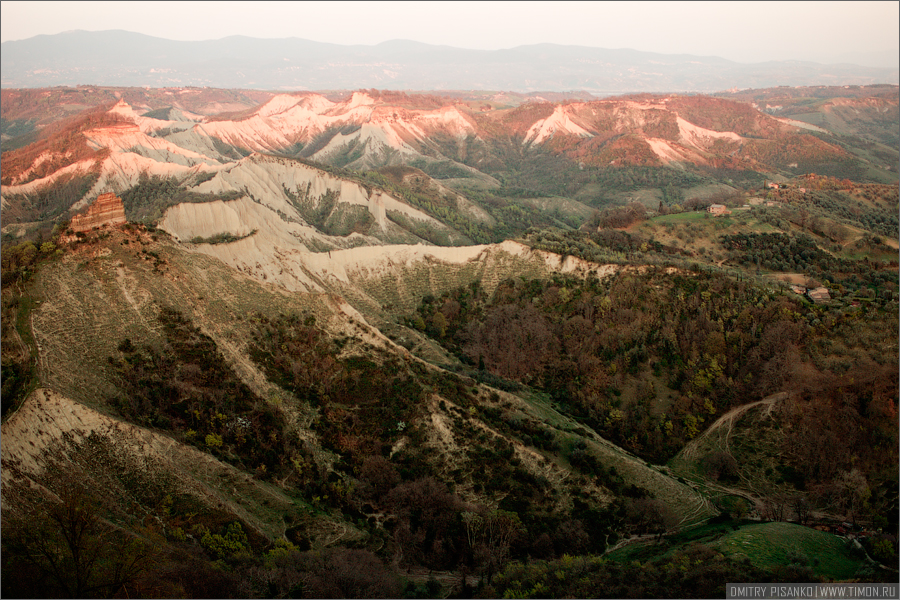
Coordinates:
[102,292]
[49,429]
[118,144]
[107,210]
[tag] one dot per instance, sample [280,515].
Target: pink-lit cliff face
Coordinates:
[107,209]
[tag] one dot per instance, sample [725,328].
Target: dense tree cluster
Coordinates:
[221,238]
[799,253]
[152,195]
[694,572]
[621,217]
[186,386]
[603,349]
[50,201]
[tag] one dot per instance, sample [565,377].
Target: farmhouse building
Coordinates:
[818,295]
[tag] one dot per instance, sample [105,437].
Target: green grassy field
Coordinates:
[765,545]
[706,533]
[685,217]
[769,545]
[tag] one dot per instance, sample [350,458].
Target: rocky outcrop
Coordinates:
[107,209]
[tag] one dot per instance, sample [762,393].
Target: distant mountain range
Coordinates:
[124,58]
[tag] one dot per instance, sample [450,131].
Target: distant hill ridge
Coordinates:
[373,129]
[430,154]
[83,57]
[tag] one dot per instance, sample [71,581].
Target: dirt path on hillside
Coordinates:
[691,452]
[628,541]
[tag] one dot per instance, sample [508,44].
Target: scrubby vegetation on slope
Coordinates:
[146,201]
[644,357]
[185,386]
[371,418]
[685,380]
[648,359]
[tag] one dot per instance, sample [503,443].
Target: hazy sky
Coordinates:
[862,32]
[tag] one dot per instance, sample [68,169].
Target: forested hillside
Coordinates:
[383,344]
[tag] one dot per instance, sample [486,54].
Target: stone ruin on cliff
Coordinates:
[107,209]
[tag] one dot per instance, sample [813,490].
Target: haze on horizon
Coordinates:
[864,33]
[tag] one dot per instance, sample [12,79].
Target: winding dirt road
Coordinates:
[691,451]
[694,449]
